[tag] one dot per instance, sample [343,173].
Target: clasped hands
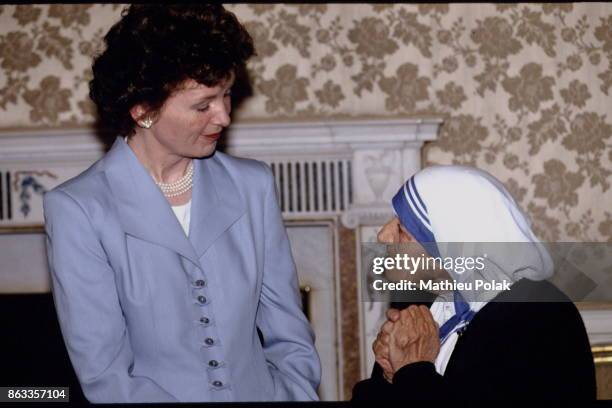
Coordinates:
[408,336]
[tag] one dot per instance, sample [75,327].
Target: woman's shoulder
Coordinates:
[527,290]
[536,328]
[540,302]
[85,186]
[243,164]
[248,173]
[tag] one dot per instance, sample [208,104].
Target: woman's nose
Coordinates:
[222,117]
[386,235]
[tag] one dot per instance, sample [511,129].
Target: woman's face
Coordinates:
[400,242]
[191,120]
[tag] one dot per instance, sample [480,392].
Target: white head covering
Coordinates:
[467,212]
[460,211]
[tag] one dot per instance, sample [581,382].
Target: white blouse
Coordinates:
[183,214]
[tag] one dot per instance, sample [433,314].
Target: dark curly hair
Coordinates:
[154,48]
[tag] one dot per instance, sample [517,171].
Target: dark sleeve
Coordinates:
[413,382]
[421,381]
[375,388]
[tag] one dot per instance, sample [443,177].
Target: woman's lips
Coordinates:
[214,136]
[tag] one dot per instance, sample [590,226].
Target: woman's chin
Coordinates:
[204,150]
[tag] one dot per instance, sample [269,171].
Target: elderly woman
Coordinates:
[167,259]
[528,341]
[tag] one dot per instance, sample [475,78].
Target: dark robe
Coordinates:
[510,350]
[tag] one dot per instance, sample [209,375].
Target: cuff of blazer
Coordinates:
[419,381]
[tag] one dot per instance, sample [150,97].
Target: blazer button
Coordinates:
[202,299]
[200,283]
[209,341]
[204,320]
[213,363]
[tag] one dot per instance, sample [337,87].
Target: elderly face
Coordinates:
[401,242]
[393,232]
[192,118]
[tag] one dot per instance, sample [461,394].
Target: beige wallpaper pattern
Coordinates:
[524,88]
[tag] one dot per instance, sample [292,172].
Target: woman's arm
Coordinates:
[421,381]
[88,308]
[288,337]
[373,389]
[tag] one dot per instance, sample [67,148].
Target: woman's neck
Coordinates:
[162,165]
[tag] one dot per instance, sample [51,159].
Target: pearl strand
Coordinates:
[180,186]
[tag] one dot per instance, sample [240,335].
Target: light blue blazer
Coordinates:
[149,314]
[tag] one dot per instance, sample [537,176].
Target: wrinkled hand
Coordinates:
[381,344]
[412,337]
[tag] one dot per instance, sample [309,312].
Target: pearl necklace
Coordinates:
[180,186]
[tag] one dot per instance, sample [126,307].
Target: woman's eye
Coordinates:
[203,109]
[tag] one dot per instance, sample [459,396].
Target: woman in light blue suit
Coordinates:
[165,256]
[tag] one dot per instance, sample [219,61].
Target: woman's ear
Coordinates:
[138,112]
[142,116]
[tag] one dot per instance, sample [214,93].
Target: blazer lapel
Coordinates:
[216,203]
[143,210]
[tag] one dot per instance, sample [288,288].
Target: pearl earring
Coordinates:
[146,123]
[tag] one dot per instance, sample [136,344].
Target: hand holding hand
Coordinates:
[412,338]
[381,344]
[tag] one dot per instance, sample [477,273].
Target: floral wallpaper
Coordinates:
[525,89]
